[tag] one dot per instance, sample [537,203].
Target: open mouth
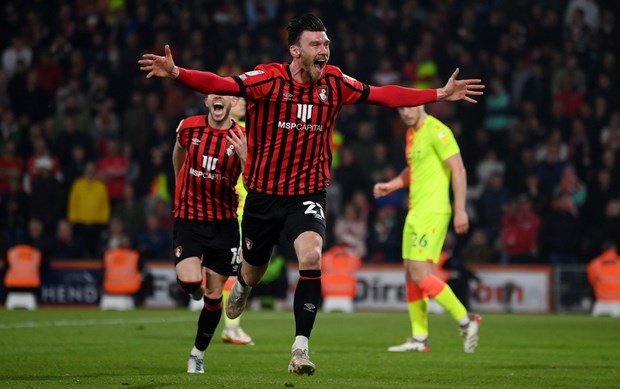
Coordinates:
[218,108]
[319,64]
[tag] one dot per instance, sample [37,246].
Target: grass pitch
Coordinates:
[63,348]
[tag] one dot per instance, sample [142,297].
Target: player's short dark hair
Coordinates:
[299,24]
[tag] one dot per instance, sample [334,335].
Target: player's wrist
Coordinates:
[175,72]
[441,94]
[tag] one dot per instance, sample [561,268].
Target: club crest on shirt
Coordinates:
[249,243]
[323,92]
[177,251]
[230,150]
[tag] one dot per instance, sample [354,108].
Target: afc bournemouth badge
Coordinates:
[177,251]
[323,92]
[248,243]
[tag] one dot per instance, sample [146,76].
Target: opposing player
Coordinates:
[433,162]
[208,157]
[291,112]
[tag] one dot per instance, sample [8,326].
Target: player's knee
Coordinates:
[310,259]
[189,287]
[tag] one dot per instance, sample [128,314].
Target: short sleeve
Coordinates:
[254,84]
[354,91]
[443,141]
[181,134]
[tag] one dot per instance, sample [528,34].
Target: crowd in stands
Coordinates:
[86,140]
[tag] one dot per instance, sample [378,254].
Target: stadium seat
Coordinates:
[117,302]
[606,308]
[25,300]
[121,279]
[23,277]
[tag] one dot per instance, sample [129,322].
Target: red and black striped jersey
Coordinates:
[205,187]
[289,127]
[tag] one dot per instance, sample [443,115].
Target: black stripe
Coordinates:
[266,139]
[280,168]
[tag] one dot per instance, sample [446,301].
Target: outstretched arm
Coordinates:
[205,82]
[396,96]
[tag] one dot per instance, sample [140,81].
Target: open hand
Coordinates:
[159,66]
[461,89]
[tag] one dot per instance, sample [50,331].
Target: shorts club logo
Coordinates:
[177,251]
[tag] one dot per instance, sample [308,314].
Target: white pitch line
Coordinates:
[92,322]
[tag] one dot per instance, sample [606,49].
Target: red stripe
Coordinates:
[309,278]
[212,308]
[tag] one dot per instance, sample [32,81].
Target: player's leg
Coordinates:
[207,321]
[417,306]
[187,252]
[232,332]
[305,227]
[426,240]
[261,230]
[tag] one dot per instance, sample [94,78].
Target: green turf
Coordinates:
[61,348]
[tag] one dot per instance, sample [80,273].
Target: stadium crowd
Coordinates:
[86,142]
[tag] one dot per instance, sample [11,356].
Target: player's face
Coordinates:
[219,106]
[238,109]
[313,53]
[410,115]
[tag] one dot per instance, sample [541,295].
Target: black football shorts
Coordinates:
[266,216]
[216,242]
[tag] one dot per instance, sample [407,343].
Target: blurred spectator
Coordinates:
[13,215]
[9,129]
[112,168]
[114,236]
[66,246]
[478,250]
[47,197]
[41,153]
[37,237]
[351,229]
[152,241]
[68,138]
[134,124]
[75,167]
[88,209]
[519,232]
[348,174]
[17,52]
[559,239]
[384,236]
[11,166]
[571,185]
[491,205]
[552,159]
[106,125]
[611,225]
[130,211]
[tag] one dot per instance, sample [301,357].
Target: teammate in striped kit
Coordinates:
[291,112]
[208,157]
